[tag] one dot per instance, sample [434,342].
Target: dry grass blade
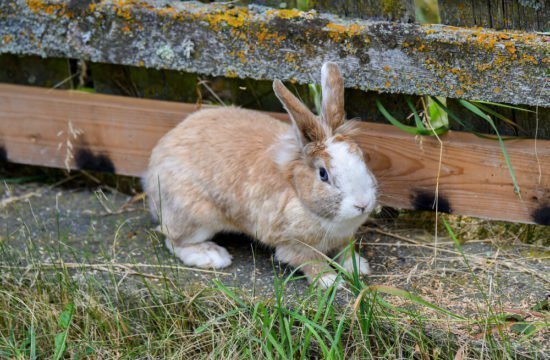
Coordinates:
[460,353]
[105,267]
[13,199]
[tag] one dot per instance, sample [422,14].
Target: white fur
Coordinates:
[327,280]
[199,236]
[286,149]
[207,255]
[362,265]
[327,91]
[351,176]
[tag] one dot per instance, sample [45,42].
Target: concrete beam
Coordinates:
[263,43]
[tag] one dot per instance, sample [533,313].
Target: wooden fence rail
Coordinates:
[60,128]
[108,133]
[531,15]
[264,43]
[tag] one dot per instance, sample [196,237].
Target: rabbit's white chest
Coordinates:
[302,225]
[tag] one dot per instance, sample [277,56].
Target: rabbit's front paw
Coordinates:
[327,280]
[207,255]
[361,263]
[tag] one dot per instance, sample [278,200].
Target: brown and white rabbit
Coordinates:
[303,188]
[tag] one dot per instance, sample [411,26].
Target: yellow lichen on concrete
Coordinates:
[484,67]
[285,13]
[353,29]
[7,39]
[230,73]
[290,57]
[528,59]
[39,6]
[236,17]
[510,47]
[338,32]
[169,11]
[242,56]
[264,36]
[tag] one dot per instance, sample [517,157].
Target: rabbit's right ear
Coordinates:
[332,82]
[307,127]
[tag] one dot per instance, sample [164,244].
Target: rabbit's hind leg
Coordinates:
[195,250]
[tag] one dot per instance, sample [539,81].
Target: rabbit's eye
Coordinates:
[323,175]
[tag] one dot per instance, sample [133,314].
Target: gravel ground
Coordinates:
[105,230]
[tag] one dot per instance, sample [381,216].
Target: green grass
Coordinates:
[57,302]
[61,311]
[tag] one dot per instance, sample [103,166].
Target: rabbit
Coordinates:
[303,188]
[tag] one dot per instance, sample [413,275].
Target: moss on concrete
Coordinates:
[264,43]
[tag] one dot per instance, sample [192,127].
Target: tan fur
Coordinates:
[304,120]
[332,111]
[348,132]
[216,171]
[315,151]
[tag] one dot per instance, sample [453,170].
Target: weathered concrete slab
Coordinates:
[395,10]
[264,43]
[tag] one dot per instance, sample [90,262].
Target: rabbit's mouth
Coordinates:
[343,227]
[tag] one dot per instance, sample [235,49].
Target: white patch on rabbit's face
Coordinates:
[350,175]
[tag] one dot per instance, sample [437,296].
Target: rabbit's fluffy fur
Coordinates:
[303,188]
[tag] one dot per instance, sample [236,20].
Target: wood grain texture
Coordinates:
[474,180]
[528,15]
[264,44]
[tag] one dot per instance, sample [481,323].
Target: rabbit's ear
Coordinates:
[306,126]
[332,83]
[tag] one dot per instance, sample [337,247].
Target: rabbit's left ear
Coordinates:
[306,127]
[332,83]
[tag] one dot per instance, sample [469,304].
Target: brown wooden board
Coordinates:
[110,133]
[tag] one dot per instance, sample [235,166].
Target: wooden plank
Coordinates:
[497,14]
[263,43]
[509,15]
[117,134]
